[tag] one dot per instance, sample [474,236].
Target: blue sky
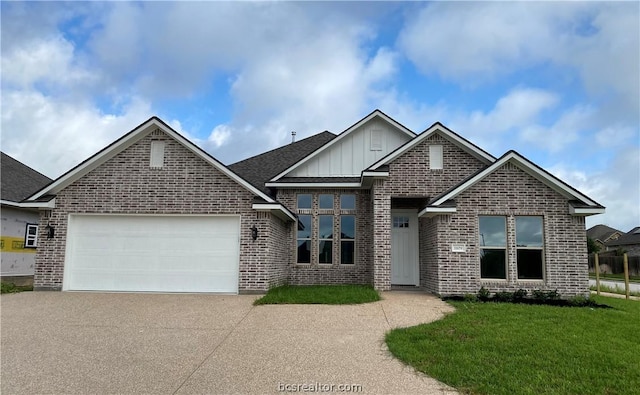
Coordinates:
[558,82]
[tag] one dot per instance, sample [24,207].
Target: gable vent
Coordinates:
[157,154]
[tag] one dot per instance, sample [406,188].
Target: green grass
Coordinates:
[614,290]
[502,348]
[618,277]
[8,288]
[319,294]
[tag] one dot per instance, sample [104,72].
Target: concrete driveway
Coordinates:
[62,342]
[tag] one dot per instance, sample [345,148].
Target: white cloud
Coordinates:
[43,61]
[616,186]
[219,135]
[474,42]
[52,136]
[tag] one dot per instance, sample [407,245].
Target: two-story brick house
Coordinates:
[376,204]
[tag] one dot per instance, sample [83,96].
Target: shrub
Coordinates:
[503,297]
[520,294]
[470,298]
[579,301]
[483,294]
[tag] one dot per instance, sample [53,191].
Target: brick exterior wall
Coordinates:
[336,273]
[511,192]
[186,184]
[410,176]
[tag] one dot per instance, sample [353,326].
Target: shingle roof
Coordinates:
[19,181]
[629,238]
[601,232]
[261,168]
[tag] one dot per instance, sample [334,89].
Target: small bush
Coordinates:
[483,294]
[503,297]
[470,298]
[520,294]
[539,294]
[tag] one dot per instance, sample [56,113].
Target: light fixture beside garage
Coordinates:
[254,233]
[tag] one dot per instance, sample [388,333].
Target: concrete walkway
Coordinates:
[61,342]
[633,287]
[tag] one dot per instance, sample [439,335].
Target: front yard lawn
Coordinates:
[319,294]
[9,288]
[502,348]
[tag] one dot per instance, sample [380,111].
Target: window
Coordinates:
[435,157]
[347,202]
[529,248]
[347,239]
[325,202]
[303,239]
[493,247]
[400,222]
[31,236]
[304,201]
[325,239]
[157,154]
[326,234]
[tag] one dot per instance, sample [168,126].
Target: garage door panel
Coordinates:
[153,253]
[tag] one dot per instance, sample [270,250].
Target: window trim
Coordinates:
[541,249]
[436,157]
[332,239]
[494,247]
[309,239]
[353,241]
[31,241]
[156,157]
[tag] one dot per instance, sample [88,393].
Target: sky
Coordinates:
[559,82]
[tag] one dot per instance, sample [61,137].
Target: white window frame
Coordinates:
[309,239]
[490,247]
[436,157]
[31,240]
[156,160]
[352,241]
[541,249]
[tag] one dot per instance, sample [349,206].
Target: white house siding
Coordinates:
[15,260]
[353,153]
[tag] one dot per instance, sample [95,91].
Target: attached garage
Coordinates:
[152,253]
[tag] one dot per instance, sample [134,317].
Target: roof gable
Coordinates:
[19,181]
[128,140]
[448,134]
[602,232]
[585,204]
[323,153]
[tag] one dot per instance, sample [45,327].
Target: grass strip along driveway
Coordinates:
[503,348]
[319,294]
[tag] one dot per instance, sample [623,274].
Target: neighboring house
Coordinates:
[19,220]
[602,234]
[376,204]
[628,242]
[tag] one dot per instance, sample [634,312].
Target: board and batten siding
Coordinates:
[354,152]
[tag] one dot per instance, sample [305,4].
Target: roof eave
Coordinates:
[276,209]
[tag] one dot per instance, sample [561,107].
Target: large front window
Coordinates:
[326,229]
[493,247]
[529,248]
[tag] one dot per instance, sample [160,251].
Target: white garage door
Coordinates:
[152,253]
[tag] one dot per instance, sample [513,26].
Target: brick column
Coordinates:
[381,237]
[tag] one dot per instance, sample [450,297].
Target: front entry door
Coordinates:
[404,248]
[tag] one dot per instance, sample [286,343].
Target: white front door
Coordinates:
[404,248]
